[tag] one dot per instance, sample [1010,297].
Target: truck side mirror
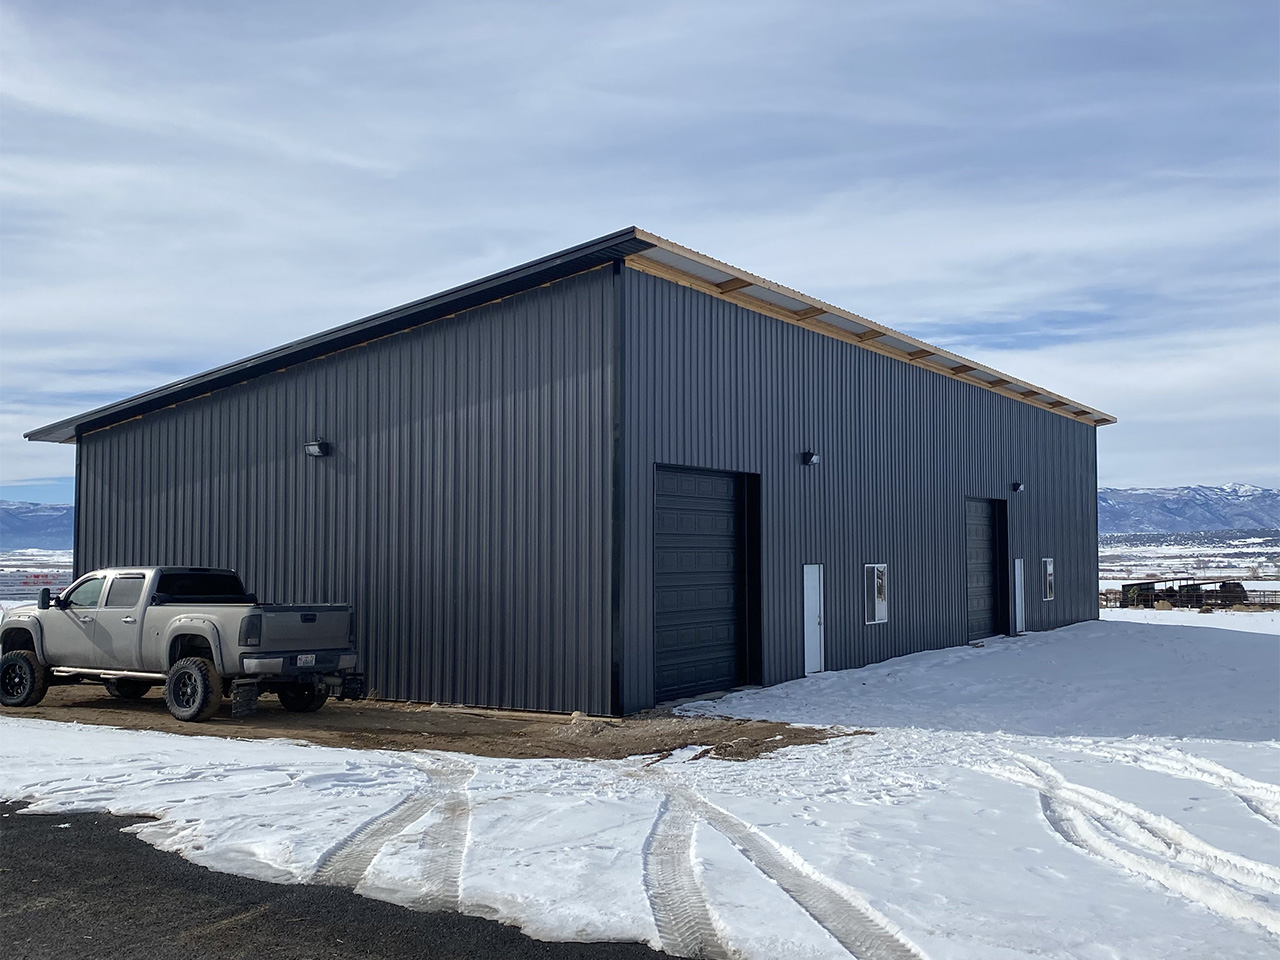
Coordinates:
[42,602]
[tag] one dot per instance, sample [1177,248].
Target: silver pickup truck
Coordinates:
[193,630]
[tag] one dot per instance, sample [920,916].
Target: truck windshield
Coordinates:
[202,588]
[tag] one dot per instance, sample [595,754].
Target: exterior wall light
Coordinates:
[316,448]
[1017,486]
[810,459]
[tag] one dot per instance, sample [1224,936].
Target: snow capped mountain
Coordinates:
[1233,506]
[47,526]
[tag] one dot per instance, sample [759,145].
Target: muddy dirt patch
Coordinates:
[382,725]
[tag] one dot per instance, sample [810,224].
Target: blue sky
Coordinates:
[1083,194]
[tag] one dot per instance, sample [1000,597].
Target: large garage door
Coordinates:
[697,583]
[982,568]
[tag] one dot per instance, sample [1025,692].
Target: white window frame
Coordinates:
[875,592]
[1046,577]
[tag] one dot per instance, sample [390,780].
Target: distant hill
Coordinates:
[1235,506]
[44,526]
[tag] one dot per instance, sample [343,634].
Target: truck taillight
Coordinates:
[251,630]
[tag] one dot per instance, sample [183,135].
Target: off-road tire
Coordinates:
[127,688]
[193,691]
[23,679]
[302,698]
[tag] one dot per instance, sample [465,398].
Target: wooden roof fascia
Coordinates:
[866,339]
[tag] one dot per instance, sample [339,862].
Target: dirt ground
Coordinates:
[384,725]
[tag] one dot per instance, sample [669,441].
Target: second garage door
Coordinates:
[697,582]
[983,568]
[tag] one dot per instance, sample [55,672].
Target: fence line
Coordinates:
[26,584]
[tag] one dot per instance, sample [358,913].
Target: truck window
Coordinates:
[202,588]
[125,591]
[87,594]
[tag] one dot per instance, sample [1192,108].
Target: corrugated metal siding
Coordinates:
[709,384]
[465,512]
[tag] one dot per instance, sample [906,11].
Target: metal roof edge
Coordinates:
[623,244]
[738,287]
[533,273]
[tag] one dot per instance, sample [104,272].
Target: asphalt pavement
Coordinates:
[74,886]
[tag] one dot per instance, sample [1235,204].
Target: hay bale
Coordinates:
[1206,609]
[1163,605]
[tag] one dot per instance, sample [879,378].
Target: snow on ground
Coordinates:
[32,558]
[1107,790]
[1260,622]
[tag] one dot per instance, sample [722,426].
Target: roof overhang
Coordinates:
[640,250]
[668,260]
[535,273]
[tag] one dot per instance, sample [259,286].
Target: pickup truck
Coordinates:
[193,630]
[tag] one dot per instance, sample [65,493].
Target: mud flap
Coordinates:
[353,687]
[244,698]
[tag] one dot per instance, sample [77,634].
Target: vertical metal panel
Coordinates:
[709,384]
[465,512]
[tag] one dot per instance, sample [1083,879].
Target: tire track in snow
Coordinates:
[346,863]
[857,926]
[1260,797]
[445,842]
[1078,829]
[1110,828]
[1157,833]
[839,909]
[679,905]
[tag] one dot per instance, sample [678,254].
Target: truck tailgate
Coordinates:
[305,626]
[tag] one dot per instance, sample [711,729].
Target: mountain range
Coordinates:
[1234,506]
[43,526]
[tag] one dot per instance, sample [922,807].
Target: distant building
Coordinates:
[615,476]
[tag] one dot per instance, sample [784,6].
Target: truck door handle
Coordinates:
[86,619]
[128,619]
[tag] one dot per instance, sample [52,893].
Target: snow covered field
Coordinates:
[1109,790]
[1268,623]
[1240,554]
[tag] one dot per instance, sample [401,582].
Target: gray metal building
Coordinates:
[621,474]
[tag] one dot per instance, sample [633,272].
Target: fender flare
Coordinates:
[33,626]
[194,627]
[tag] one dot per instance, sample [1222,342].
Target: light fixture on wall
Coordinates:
[810,459]
[316,448]
[1017,486]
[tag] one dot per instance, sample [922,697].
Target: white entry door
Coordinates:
[814,642]
[1019,606]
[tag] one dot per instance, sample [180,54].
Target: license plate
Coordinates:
[306,659]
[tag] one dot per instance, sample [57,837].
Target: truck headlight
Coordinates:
[251,630]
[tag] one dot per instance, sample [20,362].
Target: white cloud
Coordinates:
[183,189]
[1198,406]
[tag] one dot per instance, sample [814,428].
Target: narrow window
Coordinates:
[1047,564]
[877,592]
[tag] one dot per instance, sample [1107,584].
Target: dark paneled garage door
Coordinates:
[697,582]
[982,568]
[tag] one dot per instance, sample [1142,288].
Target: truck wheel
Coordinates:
[127,688]
[193,691]
[302,698]
[24,680]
